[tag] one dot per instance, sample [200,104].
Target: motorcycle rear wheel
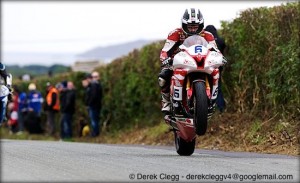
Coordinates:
[201,109]
[184,148]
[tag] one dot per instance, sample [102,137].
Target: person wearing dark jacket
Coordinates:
[67,107]
[221,46]
[93,102]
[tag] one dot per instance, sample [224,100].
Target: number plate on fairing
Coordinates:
[198,49]
[177,93]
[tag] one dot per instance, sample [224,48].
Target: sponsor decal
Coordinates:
[178,76]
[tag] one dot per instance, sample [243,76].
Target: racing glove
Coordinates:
[167,62]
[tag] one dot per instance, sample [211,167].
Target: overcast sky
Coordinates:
[59,27]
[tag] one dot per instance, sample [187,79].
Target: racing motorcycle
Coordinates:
[191,91]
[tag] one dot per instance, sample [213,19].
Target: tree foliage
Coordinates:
[263,70]
[131,92]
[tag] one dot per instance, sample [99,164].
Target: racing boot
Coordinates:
[211,109]
[212,103]
[166,104]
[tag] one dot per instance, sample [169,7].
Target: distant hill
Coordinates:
[22,58]
[35,70]
[114,51]
[105,53]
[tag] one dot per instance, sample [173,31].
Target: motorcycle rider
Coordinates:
[192,23]
[5,79]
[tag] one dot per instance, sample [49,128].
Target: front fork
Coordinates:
[177,95]
[189,89]
[211,94]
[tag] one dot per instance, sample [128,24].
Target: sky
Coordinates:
[73,27]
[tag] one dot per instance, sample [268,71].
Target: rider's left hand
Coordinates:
[167,62]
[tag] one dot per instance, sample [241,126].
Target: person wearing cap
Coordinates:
[35,100]
[52,107]
[93,102]
[32,115]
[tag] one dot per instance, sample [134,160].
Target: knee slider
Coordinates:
[164,78]
[161,82]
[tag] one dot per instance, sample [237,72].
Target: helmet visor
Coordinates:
[192,28]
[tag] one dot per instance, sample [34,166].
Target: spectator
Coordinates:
[13,111]
[32,119]
[35,100]
[62,89]
[13,117]
[87,80]
[221,46]
[93,101]
[22,110]
[52,107]
[67,99]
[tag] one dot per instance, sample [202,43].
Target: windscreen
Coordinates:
[195,39]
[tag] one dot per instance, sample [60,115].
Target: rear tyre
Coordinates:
[184,148]
[201,108]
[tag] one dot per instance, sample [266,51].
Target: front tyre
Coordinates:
[184,148]
[200,107]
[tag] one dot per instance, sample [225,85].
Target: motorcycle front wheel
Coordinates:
[184,148]
[201,108]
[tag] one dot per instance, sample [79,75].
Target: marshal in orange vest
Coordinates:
[49,98]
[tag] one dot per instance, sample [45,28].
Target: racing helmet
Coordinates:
[192,21]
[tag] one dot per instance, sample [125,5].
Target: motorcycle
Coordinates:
[4,92]
[191,91]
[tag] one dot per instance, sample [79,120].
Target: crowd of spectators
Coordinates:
[59,106]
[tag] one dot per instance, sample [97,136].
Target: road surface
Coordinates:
[39,161]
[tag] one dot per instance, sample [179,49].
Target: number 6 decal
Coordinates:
[177,93]
[198,49]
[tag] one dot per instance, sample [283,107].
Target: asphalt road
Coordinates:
[41,161]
